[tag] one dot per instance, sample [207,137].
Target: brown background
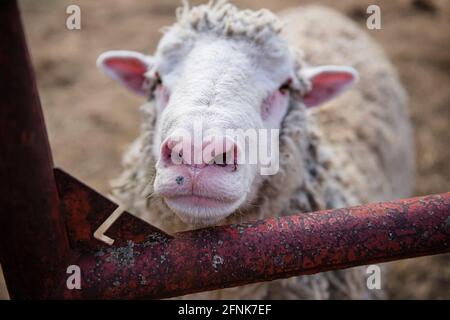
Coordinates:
[91,120]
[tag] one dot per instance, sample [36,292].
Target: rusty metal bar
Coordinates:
[33,241]
[156,266]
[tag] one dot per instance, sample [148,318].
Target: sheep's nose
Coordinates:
[219,151]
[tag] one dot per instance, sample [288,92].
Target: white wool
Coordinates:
[223,18]
[258,30]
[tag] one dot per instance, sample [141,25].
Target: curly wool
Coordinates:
[224,19]
[221,19]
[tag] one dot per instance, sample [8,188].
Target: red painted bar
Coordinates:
[33,241]
[157,266]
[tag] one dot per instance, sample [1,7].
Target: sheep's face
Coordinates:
[221,91]
[220,102]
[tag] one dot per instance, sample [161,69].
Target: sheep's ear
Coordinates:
[327,82]
[126,67]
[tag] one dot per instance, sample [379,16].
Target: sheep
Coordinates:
[245,68]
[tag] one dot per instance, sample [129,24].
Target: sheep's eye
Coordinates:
[286,86]
[158,80]
[155,83]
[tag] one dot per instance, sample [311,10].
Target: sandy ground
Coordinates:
[91,121]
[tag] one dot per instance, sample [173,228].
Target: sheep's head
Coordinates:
[221,81]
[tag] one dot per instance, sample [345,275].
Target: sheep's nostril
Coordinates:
[170,153]
[222,153]
[221,164]
[228,159]
[221,160]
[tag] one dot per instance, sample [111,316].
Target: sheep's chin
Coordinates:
[201,211]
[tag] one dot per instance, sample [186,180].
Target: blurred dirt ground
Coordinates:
[91,120]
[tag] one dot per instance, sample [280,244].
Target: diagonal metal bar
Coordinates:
[157,266]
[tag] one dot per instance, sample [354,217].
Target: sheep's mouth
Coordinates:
[200,200]
[201,210]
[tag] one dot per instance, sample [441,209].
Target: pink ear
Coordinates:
[126,67]
[327,82]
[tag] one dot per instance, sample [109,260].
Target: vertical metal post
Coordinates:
[33,241]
